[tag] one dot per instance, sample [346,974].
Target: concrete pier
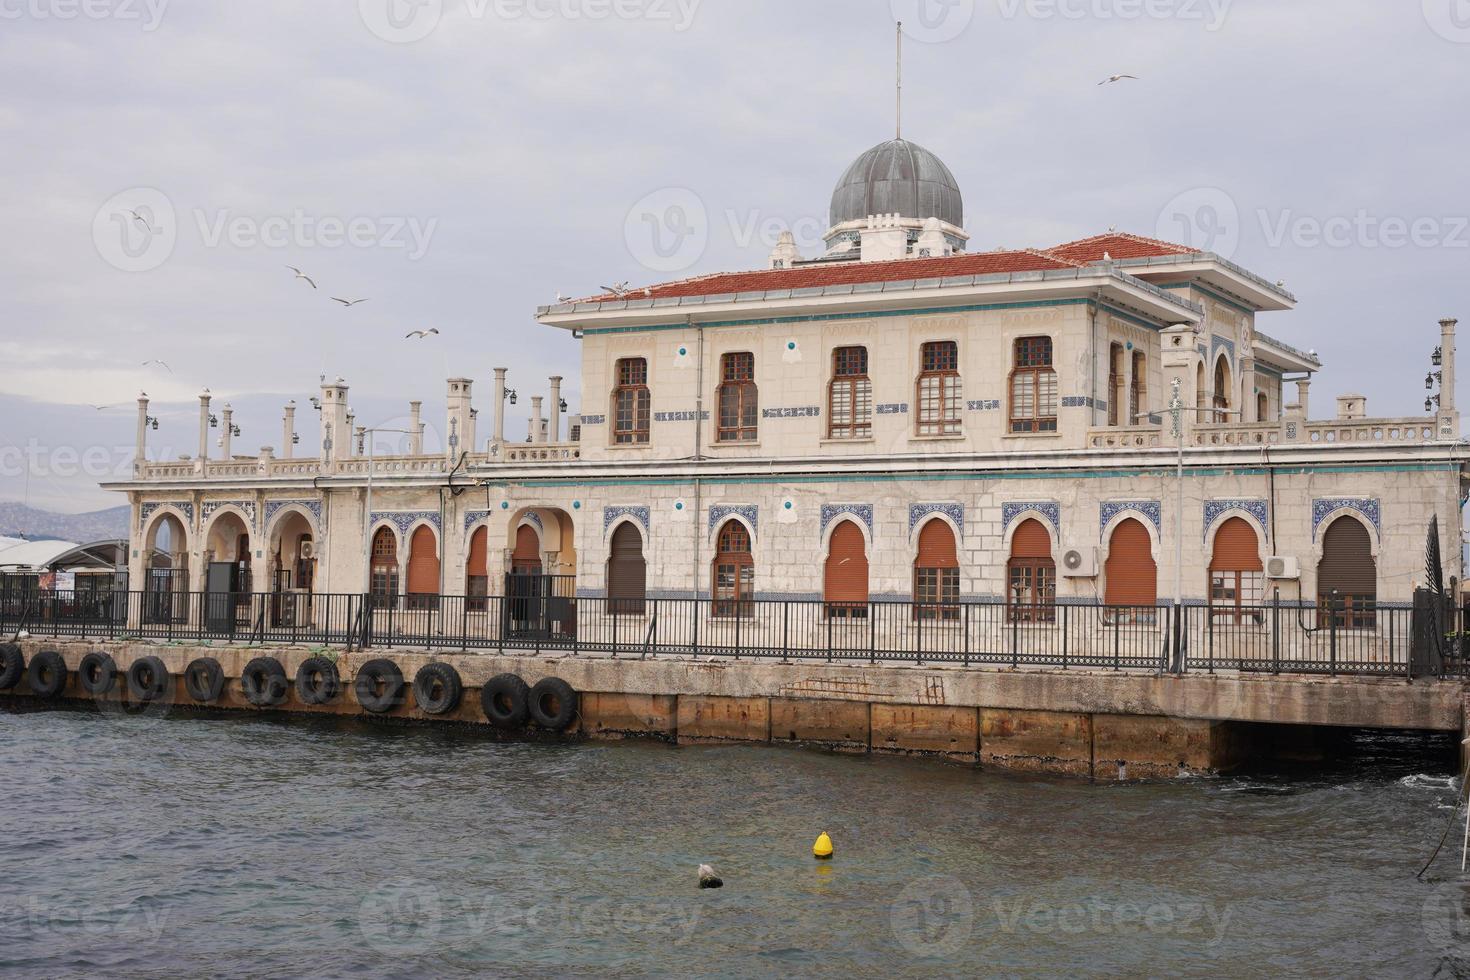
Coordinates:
[1097,724]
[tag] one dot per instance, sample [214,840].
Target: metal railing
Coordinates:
[1275,637]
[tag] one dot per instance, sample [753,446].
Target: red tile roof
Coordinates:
[1072,255]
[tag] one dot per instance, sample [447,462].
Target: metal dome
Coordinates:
[898,176]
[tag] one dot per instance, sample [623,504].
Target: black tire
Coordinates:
[204,679]
[504,700]
[46,674]
[317,681]
[437,689]
[147,679]
[12,665]
[379,686]
[97,674]
[553,704]
[264,682]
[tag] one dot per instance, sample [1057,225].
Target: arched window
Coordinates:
[627,572]
[1222,390]
[1201,393]
[845,578]
[1263,407]
[477,571]
[526,558]
[738,402]
[734,572]
[850,398]
[1138,389]
[631,402]
[937,573]
[1033,387]
[1237,579]
[385,569]
[423,569]
[1132,576]
[1115,383]
[1347,577]
[939,394]
[1031,575]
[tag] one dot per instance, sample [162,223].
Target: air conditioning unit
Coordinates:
[1079,563]
[307,550]
[1280,566]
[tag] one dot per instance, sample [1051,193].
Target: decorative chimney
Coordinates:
[1449,417]
[461,433]
[203,456]
[555,409]
[1352,407]
[336,436]
[288,431]
[226,433]
[500,406]
[538,424]
[415,429]
[1303,390]
[785,255]
[140,448]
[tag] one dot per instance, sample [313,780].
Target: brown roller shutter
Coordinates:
[1031,541]
[526,558]
[627,572]
[423,564]
[846,579]
[1237,549]
[479,564]
[1347,565]
[936,546]
[1132,576]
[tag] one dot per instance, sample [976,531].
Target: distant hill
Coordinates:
[38,525]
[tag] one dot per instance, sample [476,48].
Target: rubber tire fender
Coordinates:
[264,682]
[46,674]
[204,680]
[451,688]
[553,704]
[317,681]
[12,665]
[147,679]
[97,674]
[369,677]
[505,700]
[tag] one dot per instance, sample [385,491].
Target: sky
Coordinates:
[461,162]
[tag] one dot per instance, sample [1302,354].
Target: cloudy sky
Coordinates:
[461,162]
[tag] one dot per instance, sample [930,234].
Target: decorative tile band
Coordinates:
[210,507]
[750,512]
[1367,506]
[1216,342]
[1051,510]
[894,408]
[611,514]
[863,512]
[1084,401]
[274,507]
[185,507]
[403,520]
[955,512]
[1216,509]
[803,412]
[534,519]
[1150,510]
[988,405]
[473,517]
[679,416]
[594,420]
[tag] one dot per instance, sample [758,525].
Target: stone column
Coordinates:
[538,434]
[226,440]
[203,430]
[500,406]
[288,431]
[415,428]
[1248,411]
[140,447]
[555,409]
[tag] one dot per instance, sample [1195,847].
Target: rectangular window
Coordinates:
[850,400]
[1032,592]
[738,403]
[937,593]
[631,403]
[1033,387]
[939,395]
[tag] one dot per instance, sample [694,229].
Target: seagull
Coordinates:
[140,219]
[302,275]
[1280,283]
[618,289]
[1116,78]
[160,364]
[101,408]
[560,299]
[348,302]
[422,334]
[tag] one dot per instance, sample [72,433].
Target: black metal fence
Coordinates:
[1278,637]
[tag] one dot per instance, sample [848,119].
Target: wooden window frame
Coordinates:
[1115,383]
[945,416]
[1026,370]
[1138,388]
[384,574]
[1036,601]
[859,391]
[631,402]
[740,605]
[739,385]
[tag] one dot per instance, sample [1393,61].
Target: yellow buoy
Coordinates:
[822,849]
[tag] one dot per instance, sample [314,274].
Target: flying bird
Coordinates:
[140,219]
[348,302]
[302,275]
[160,364]
[101,408]
[422,334]
[1116,78]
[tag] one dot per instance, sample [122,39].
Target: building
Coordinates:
[897,420]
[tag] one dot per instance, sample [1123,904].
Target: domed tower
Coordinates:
[897,200]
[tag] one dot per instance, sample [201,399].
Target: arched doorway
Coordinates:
[293,570]
[1222,390]
[734,572]
[227,574]
[384,578]
[166,571]
[937,573]
[1031,575]
[525,559]
[423,569]
[1237,577]
[1132,575]
[477,571]
[627,572]
[845,577]
[1347,576]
